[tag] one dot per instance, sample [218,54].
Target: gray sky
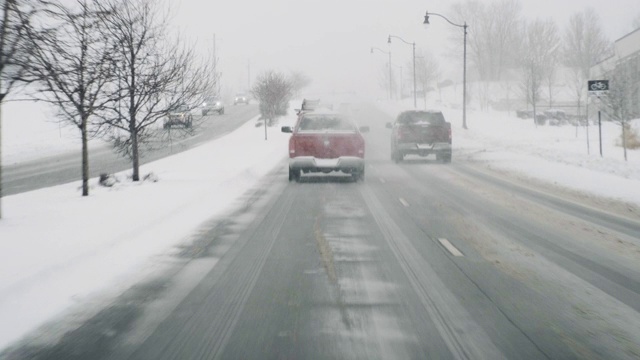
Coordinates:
[330,40]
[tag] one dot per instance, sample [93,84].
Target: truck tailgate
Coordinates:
[327,145]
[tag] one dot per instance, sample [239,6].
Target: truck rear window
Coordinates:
[319,122]
[421,118]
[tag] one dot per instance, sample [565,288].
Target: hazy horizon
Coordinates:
[330,40]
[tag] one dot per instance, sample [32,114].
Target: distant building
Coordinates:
[623,71]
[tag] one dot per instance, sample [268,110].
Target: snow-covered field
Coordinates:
[57,248]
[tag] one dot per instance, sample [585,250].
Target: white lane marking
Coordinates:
[452,249]
[383,180]
[463,336]
[404,202]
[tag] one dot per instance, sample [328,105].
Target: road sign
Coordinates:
[598,87]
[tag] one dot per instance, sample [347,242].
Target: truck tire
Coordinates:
[294,175]
[396,156]
[358,175]
[445,157]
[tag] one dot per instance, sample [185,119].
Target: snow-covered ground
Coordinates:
[58,248]
[555,154]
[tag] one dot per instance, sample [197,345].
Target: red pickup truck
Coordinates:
[324,142]
[421,133]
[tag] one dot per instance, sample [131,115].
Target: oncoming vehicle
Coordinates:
[212,105]
[421,133]
[241,99]
[325,142]
[180,116]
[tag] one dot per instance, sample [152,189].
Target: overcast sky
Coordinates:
[330,40]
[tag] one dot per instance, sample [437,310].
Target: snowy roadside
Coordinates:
[551,154]
[58,248]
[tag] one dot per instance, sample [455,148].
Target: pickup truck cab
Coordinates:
[325,142]
[421,133]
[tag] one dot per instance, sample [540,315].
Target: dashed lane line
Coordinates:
[452,249]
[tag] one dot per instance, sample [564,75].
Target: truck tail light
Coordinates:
[402,134]
[292,147]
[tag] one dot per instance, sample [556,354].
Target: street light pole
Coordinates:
[413,45]
[390,75]
[464,64]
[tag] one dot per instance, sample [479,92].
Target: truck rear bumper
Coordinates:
[423,149]
[346,164]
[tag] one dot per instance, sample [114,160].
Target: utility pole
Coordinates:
[464,68]
[413,46]
[390,76]
[415,97]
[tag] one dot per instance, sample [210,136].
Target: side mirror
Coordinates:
[389,125]
[286,129]
[364,129]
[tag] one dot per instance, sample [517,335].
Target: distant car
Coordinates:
[556,117]
[325,142]
[524,114]
[241,99]
[421,133]
[212,105]
[180,116]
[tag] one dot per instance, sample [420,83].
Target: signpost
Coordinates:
[598,88]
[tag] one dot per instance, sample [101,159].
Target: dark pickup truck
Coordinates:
[421,133]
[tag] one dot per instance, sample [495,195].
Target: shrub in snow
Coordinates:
[151,177]
[632,137]
[107,180]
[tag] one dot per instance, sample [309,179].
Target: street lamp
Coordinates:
[390,77]
[464,64]
[413,44]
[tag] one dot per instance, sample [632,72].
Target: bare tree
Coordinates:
[71,66]
[298,82]
[427,73]
[584,45]
[494,36]
[550,74]
[15,19]
[386,80]
[155,76]
[273,90]
[538,56]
